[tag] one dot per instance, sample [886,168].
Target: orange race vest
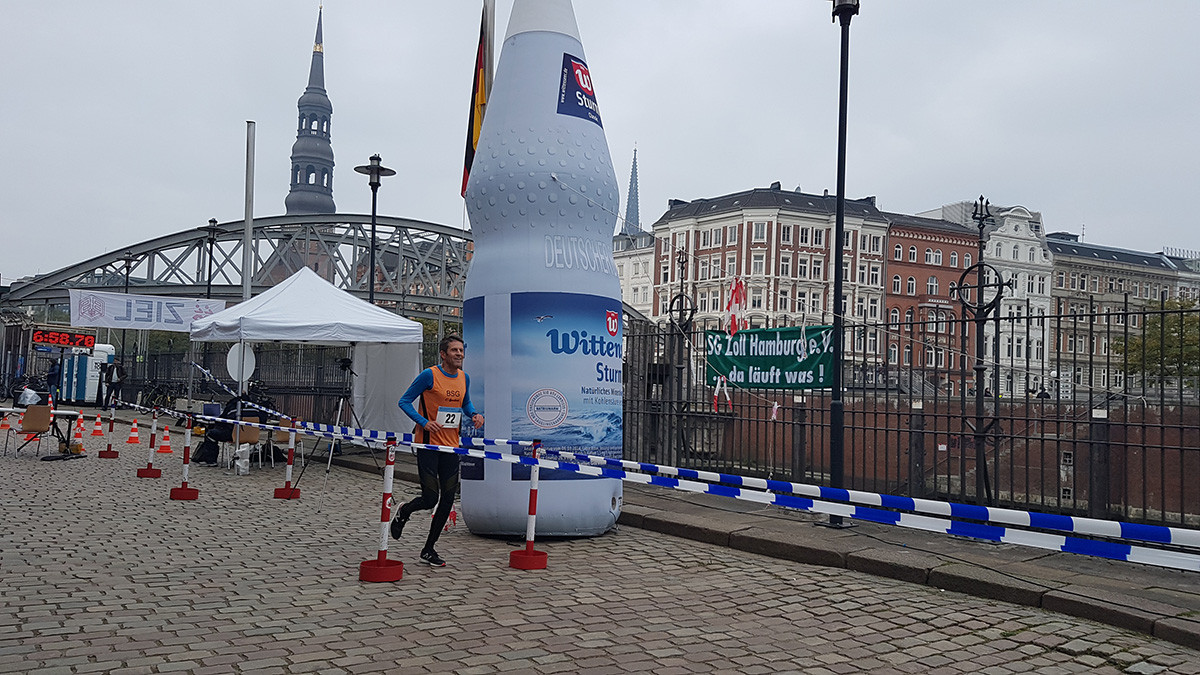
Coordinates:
[443,402]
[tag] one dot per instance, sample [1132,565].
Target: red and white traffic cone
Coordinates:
[109,453]
[287,491]
[165,448]
[4,425]
[98,430]
[382,569]
[530,559]
[183,492]
[133,434]
[78,440]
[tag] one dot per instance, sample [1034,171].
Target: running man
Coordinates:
[442,394]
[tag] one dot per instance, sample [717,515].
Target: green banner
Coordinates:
[771,358]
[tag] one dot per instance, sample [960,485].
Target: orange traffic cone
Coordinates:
[77,442]
[133,436]
[4,425]
[165,447]
[98,430]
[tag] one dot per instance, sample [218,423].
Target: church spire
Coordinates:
[633,223]
[312,154]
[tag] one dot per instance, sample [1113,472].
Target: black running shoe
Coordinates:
[398,526]
[432,559]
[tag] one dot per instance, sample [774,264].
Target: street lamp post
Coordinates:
[843,12]
[211,231]
[127,258]
[375,171]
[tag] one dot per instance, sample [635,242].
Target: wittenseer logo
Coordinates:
[612,321]
[576,95]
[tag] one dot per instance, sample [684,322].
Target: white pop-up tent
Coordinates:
[306,308]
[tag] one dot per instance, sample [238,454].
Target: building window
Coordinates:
[928,256]
[954,258]
[757,264]
[876,244]
[1041,285]
[937,257]
[848,240]
[756,299]
[785,266]
[716,239]
[893,353]
[873,308]
[1016,252]
[818,269]
[898,252]
[907,355]
[818,237]
[931,286]
[804,235]
[706,239]
[896,284]
[732,236]
[911,287]
[1032,253]
[912,254]
[784,302]
[894,315]
[966,260]
[814,303]
[875,275]
[802,268]
[666,275]
[702,301]
[908,319]
[785,234]
[731,265]
[862,274]
[760,230]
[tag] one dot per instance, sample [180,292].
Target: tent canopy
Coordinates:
[306,308]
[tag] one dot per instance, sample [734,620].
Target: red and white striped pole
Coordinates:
[109,453]
[382,569]
[150,471]
[287,491]
[183,492]
[530,559]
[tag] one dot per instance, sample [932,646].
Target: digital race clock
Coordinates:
[63,338]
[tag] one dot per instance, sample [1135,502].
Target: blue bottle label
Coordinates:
[576,96]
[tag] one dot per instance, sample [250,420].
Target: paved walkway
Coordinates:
[101,572]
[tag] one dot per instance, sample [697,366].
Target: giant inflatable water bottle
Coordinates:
[542,312]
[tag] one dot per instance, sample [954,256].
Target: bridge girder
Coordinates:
[421,267]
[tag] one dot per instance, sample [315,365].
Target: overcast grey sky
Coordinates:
[125,120]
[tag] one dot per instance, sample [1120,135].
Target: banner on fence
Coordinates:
[99,309]
[771,358]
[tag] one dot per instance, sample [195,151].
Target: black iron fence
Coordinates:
[1093,412]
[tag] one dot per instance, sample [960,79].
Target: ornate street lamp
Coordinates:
[375,171]
[843,11]
[210,231]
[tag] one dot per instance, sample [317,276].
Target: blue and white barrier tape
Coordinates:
[1159,534]
[1053,542]
[208,375]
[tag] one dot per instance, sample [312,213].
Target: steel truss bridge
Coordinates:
[420,271]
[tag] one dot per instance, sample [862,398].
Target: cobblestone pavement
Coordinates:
[101,572]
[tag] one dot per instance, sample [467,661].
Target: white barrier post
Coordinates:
[109,453]
[382,569]
[150,471]
[183,492]
[287,491]
[530,559]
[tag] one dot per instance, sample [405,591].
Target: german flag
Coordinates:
[480,86]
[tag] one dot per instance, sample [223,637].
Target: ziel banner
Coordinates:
[99,309]
[771,358]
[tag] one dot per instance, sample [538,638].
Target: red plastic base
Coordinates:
[108,454]
[287,493]
[527,560]
[149,472]
[380,570]
[164,452]
[184,493]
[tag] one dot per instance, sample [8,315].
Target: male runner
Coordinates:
[443,397]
